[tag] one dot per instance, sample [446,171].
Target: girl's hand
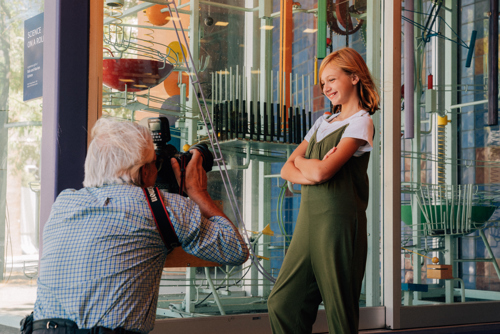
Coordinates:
[329,153]
[297,159]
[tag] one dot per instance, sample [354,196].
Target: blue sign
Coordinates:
[33,57]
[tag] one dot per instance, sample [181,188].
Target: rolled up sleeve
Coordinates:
[215,239]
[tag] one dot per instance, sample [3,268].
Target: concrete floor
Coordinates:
[18,295]
[490,328]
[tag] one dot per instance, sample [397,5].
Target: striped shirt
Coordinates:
[103,256]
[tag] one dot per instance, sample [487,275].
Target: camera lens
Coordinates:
[208,158]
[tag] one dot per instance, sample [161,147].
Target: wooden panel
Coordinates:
[178,258]
[95,64]
[286,39]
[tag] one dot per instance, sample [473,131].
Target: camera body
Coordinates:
[160,131]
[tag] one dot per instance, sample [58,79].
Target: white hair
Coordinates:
[117,152]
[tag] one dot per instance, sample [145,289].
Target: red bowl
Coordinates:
[136,74]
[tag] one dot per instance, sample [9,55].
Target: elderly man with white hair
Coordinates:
[102,253]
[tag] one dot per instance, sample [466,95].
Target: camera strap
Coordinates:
[182,165]
[161,218]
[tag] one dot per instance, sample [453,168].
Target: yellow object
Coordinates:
[315,70]
[434,259]
[443,120]
[267,231]
[178,49]
[439,271]
[262,257]
[186,147]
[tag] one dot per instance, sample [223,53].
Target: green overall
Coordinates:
[327,255]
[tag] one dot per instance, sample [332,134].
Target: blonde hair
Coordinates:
[117,152]
[351,62]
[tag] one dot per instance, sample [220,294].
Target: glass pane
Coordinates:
[21,45]
[237,51]
[449,189]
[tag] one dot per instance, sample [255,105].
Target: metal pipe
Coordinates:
[214,291]
[493,64]
[468,104]
[409,89]
[128,12]
[143,26]
[221,5]
[22,124]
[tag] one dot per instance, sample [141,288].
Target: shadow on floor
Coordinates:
[8,330]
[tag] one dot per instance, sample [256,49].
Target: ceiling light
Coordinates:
[221,23]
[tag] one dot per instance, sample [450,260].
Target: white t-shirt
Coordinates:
[360,127]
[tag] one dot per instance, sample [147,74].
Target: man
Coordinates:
[102,254]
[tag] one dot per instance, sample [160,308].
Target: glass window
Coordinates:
[449,187]
[21,44]
[258,113]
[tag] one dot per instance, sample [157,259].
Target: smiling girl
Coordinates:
[327,255]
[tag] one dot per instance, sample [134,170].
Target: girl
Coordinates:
[326,258]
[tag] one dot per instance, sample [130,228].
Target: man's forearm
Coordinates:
[207,206]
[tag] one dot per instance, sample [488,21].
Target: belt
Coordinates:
[56,325]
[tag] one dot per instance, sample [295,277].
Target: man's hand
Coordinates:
[196,177]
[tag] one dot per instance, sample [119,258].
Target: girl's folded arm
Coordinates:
[319,171]
[289,172]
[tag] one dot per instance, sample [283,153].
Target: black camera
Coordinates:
[160,131]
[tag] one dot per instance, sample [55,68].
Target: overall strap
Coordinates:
[161,218]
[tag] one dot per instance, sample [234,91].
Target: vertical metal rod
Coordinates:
[265,121]
[296,90]
[309,94]
[230,83]
[220,86]
[226,120]
[297,125]
[237,84]
[278,88]
[252,120]
[272,121]
[304,124]
[271,88]
[493,64]
[303,94]
[225,84]
[259,96]
[212,95]
[284,124]
[284,93]
[291,99]
[278,122]
[215,88]
[243,77]
[409,63]
[259,122]
[237,118]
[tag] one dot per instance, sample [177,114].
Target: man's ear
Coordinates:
[143,173]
